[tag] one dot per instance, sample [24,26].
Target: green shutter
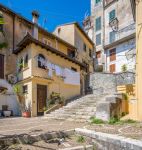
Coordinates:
[98,24]
[97,1]
[112,15]
[1,21]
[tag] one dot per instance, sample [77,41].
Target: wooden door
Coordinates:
[1,66]
[112,68]
[41,99]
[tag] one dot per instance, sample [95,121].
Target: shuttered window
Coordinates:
[97,1]
[112,37]
[98,23]
[112,15]
[112,54]
[112,68]
[98,39]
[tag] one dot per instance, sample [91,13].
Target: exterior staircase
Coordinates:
[79,110]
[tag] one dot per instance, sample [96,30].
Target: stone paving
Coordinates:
[38,125]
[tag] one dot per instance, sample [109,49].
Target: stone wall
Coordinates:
[104,141]
[106,83]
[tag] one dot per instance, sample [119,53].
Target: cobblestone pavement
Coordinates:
[17,126]
[133,130]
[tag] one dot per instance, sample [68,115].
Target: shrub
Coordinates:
[114,120]
[80,139]
[96,121]
[129,121]
[124,68]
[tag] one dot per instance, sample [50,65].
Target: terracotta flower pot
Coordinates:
[26,114]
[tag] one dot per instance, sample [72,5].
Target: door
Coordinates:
[41,99]
[112,68]
[1,66]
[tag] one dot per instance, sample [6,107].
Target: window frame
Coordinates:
[98,43]
[110,13]
[98,23]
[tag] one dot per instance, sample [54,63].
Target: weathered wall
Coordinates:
[106,83]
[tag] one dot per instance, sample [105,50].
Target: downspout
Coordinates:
[13,33]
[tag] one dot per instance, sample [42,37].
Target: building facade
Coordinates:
[13,31]
[114,34]
[75,35]
[45,70]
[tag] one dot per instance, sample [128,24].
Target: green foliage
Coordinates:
[96,121]
[129,121]
[124,68]
[80,139]
[17,89]
[114,120]
[125,96]
[3,45]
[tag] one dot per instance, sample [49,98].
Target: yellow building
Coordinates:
[42,70]
[139,58]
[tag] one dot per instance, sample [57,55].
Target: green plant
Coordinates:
[125,96]
[62,100]
[3,45]
[80,139]
[129,121]
[124,68]
[96,121]
[17,89]
[114,120]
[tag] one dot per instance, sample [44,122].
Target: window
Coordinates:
[112,68]
[98,23]
[111,15]
[111,37]
[20,65]
[26,61]
[97,1]
[41,61]
[73,69]
[84,47]
[90,53]
[47,42]
[98,39]
[112,54]
[25,89]
[1,22]
[98,54]
[71,53]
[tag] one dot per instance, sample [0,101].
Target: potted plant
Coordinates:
[27,111]
[6,112]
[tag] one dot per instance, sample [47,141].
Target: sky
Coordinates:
[52,12]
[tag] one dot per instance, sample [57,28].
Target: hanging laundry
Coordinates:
[71,77]
[58,70]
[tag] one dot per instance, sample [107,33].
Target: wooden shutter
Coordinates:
[98,55]
[112,54]
[1,67]
[112,68]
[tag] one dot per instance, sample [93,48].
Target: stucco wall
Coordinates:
[121,59]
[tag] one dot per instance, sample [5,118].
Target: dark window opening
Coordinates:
[84,47]
[41,60]
[26,61]
[71,53]
[25,89]
[74,69]
[90,53]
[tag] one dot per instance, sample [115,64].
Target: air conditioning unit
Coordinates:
[12,79]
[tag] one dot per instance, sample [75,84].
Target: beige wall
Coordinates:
[73,35]
[34,75]
[139,58]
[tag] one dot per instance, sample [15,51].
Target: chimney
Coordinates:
[35,15]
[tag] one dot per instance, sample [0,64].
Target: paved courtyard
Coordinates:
[17,126]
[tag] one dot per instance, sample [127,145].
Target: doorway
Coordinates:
[1,66]
[41,99]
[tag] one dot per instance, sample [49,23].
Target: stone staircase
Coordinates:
[79,110]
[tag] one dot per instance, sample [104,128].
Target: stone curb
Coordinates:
[108,140]
[87,147]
